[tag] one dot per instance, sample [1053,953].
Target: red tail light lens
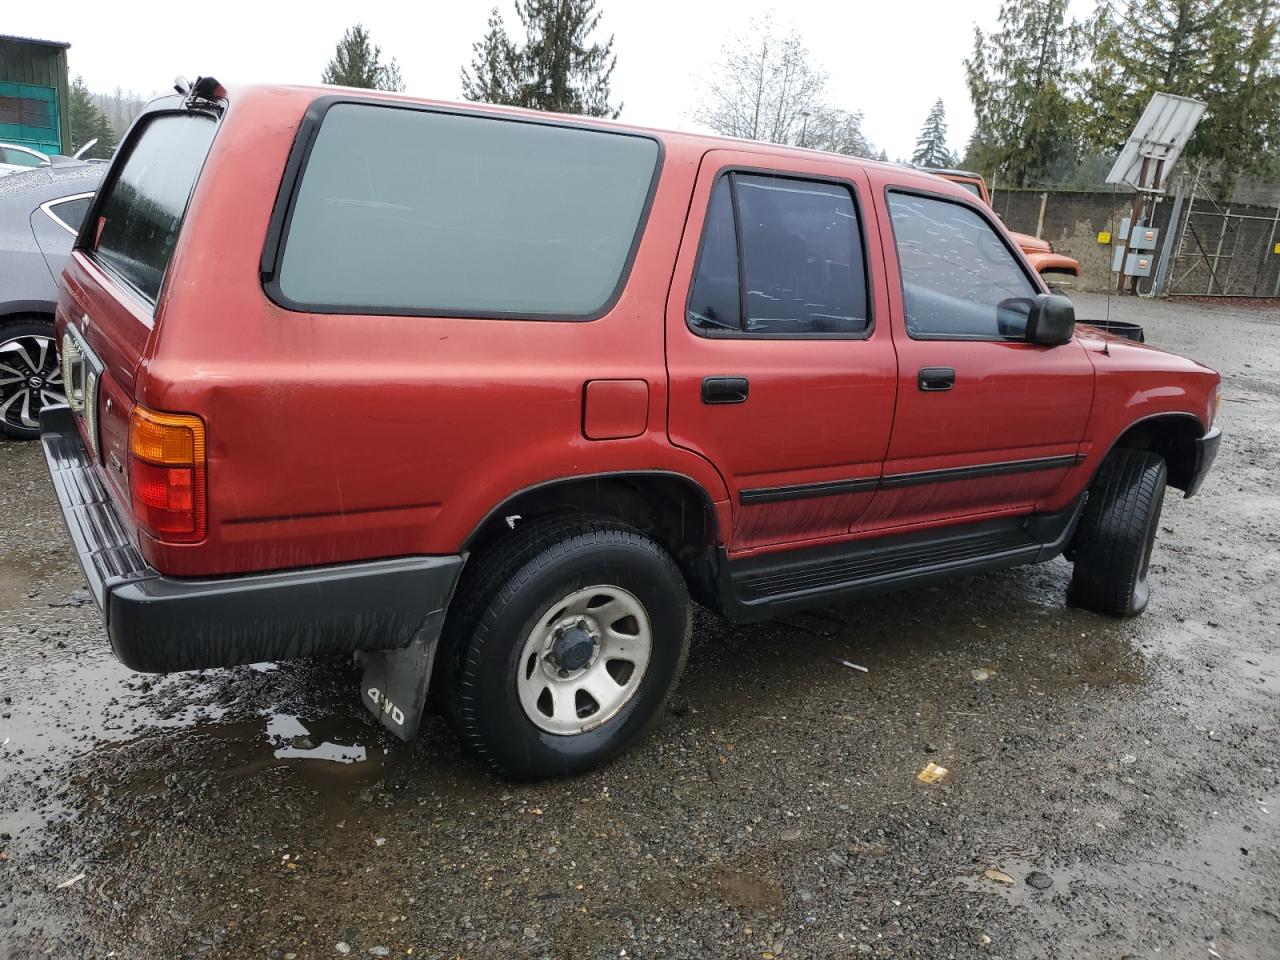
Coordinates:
[167,474]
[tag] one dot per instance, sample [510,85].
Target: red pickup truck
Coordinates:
[488,396]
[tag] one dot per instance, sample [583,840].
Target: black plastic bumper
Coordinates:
[159,624]
[1206,451]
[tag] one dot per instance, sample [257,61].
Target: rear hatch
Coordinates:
[115,280]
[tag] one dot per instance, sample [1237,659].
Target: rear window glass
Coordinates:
[413,211]
[141,214]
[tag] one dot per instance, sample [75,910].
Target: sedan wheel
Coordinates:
[30,377]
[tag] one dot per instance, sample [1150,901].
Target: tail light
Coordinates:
[167,474]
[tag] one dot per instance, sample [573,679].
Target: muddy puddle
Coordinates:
[79,729]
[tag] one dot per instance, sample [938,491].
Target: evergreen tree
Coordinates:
[357,62]
[563,70]
[494,71]
[1147,46]
[931,145]
[1243,120]
[1020,80]
[1221,51]
[88,122]
[559,67]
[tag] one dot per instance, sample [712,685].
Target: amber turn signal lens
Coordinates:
[166,438]
[167,474]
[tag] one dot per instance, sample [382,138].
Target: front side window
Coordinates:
[415,211]
[141,213]
[780,257]
[959,279]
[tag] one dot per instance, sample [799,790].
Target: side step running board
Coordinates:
[760,587]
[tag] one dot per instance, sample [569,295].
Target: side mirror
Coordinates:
[1051,320]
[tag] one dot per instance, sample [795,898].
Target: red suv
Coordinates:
[487,396]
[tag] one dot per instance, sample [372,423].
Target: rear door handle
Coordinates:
[724,390]
[937,378]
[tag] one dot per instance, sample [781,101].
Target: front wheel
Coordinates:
[1117,532]
[565,646]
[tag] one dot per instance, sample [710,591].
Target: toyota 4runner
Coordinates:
[488,396]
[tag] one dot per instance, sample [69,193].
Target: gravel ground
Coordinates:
[1113,789]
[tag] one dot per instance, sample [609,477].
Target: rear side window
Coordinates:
[713,302]
[419,212]
[780,257]
[141,213]
[70,213]
[959,279]
[19,158]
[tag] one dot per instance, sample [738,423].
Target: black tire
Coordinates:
[1117,531]
[10,330]
[504,595]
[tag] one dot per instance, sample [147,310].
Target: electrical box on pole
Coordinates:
[1146,161]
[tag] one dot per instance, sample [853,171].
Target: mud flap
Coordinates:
[394,685]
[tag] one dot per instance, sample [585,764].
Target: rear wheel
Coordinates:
[30,377]
[564,647]
[1116,534]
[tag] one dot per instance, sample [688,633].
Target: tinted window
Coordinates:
[959,280]
[410,210]
[970,186]
[802,257]
[713,302]
[71,212]
[802,271]
[141,214]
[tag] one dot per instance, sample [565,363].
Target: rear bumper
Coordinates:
[1206,451]
[160,624]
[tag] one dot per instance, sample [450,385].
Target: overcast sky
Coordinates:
[890,60]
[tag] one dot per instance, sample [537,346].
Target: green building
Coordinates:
[34,94]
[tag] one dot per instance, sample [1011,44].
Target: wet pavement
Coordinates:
[1112,788]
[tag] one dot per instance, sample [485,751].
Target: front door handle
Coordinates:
[937,378]
[724,390]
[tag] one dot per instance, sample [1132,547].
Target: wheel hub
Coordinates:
[584,659]
[30,379]
[573,647]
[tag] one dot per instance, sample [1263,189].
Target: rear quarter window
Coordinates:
[141,213]
[422,212]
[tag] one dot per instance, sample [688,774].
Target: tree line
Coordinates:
[1048,91]
[1052,96]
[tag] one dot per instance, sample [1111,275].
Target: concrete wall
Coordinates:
[1072,221]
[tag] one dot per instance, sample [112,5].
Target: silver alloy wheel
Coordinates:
[30,379]
[584,659]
